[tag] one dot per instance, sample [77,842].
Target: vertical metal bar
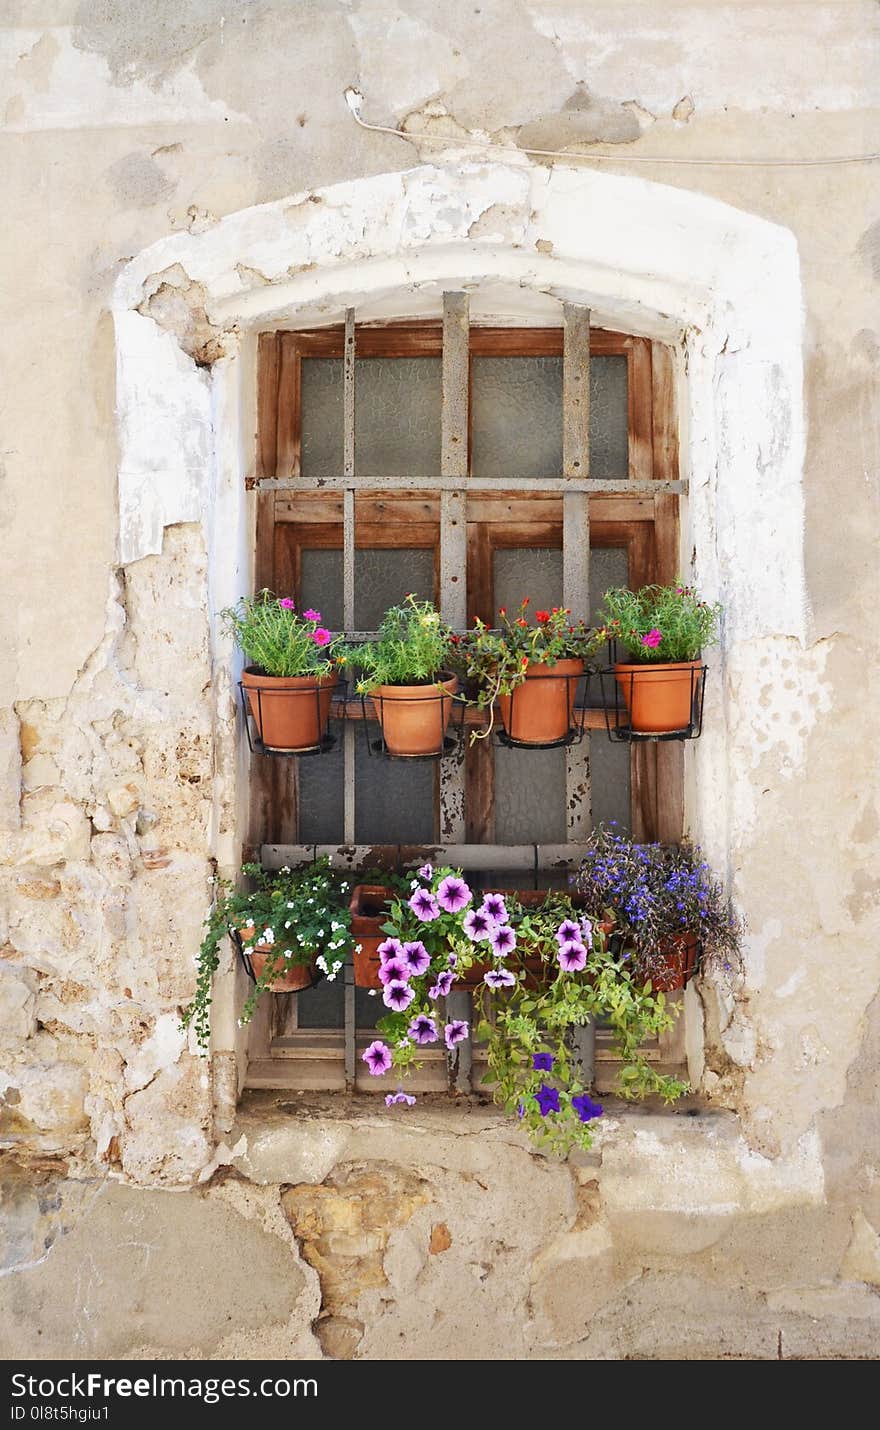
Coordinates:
[348,558]
[453,582]
[348,736]
[576,580]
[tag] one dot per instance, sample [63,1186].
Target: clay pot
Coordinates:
[539,712]
[369,910]
[674,965]
[290,713]
[414,718]
[292,979]
[660,698]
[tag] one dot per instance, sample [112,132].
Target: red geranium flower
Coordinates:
[542,617]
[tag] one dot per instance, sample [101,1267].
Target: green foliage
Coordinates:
[302,914]
[495,661]
[412,648]
[277,640]
[538,1013]
[660,623]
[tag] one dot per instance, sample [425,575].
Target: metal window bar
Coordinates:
[348,530]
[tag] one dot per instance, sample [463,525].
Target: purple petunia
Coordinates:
[391,948]
[499,978]
[478,925]
[455,1032]
[495,907]
[542,1062]
[394,1099]
[416,958]
[398,995]
[442,986]
[521,1109]
[453,894]
[547,1099]
[586,929]
[423,1030]
[377,1058]
[451,960]
[568,931]
[394,971]
[426,872]
[424,905]
[586,1108]
[572,957]
[502,940]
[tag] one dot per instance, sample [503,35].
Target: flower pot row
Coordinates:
[524,674]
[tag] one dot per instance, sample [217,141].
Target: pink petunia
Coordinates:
[377,1058]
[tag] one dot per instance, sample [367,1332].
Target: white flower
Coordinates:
[290,906]
[371,992]
[248,923]
[287,925]
[334,925]
[267,936]
[310,901]
[320,933]
[358,948]
[330,977]
[414,883]
[285,869]
[288,953]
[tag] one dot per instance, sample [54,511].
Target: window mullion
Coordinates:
[348,737]
[576,579]
[453,580]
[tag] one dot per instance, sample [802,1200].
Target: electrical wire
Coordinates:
[354,99]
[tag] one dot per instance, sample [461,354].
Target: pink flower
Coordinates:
[311,615]
[321,636]
[286,604]
[377,1058]
[653,638]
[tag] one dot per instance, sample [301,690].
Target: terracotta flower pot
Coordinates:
[290,713]
[289,979]
[539,711]
[660,698]
[414,718]
[673,965]
[369,910]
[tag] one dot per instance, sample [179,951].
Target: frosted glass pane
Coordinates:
[321,423]
[322,1006]
[394,799]
[537,572]
[609,566]
[609,417]
[609,772]
[516,416]
[397,417]
[382,579]
[529,796]
[320,796]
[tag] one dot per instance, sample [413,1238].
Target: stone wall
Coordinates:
[119,789]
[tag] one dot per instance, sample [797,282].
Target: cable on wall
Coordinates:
[354,99]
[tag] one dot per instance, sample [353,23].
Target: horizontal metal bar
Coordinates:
[515,858]
[597,486]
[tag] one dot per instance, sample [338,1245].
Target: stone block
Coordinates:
[17,1005]
[166,1137]
[53,1097]
[861,1261]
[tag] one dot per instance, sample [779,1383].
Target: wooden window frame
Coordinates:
[293,515]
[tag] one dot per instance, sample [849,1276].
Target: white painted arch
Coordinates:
[721,285]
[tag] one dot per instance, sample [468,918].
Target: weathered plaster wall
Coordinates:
[126,123]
